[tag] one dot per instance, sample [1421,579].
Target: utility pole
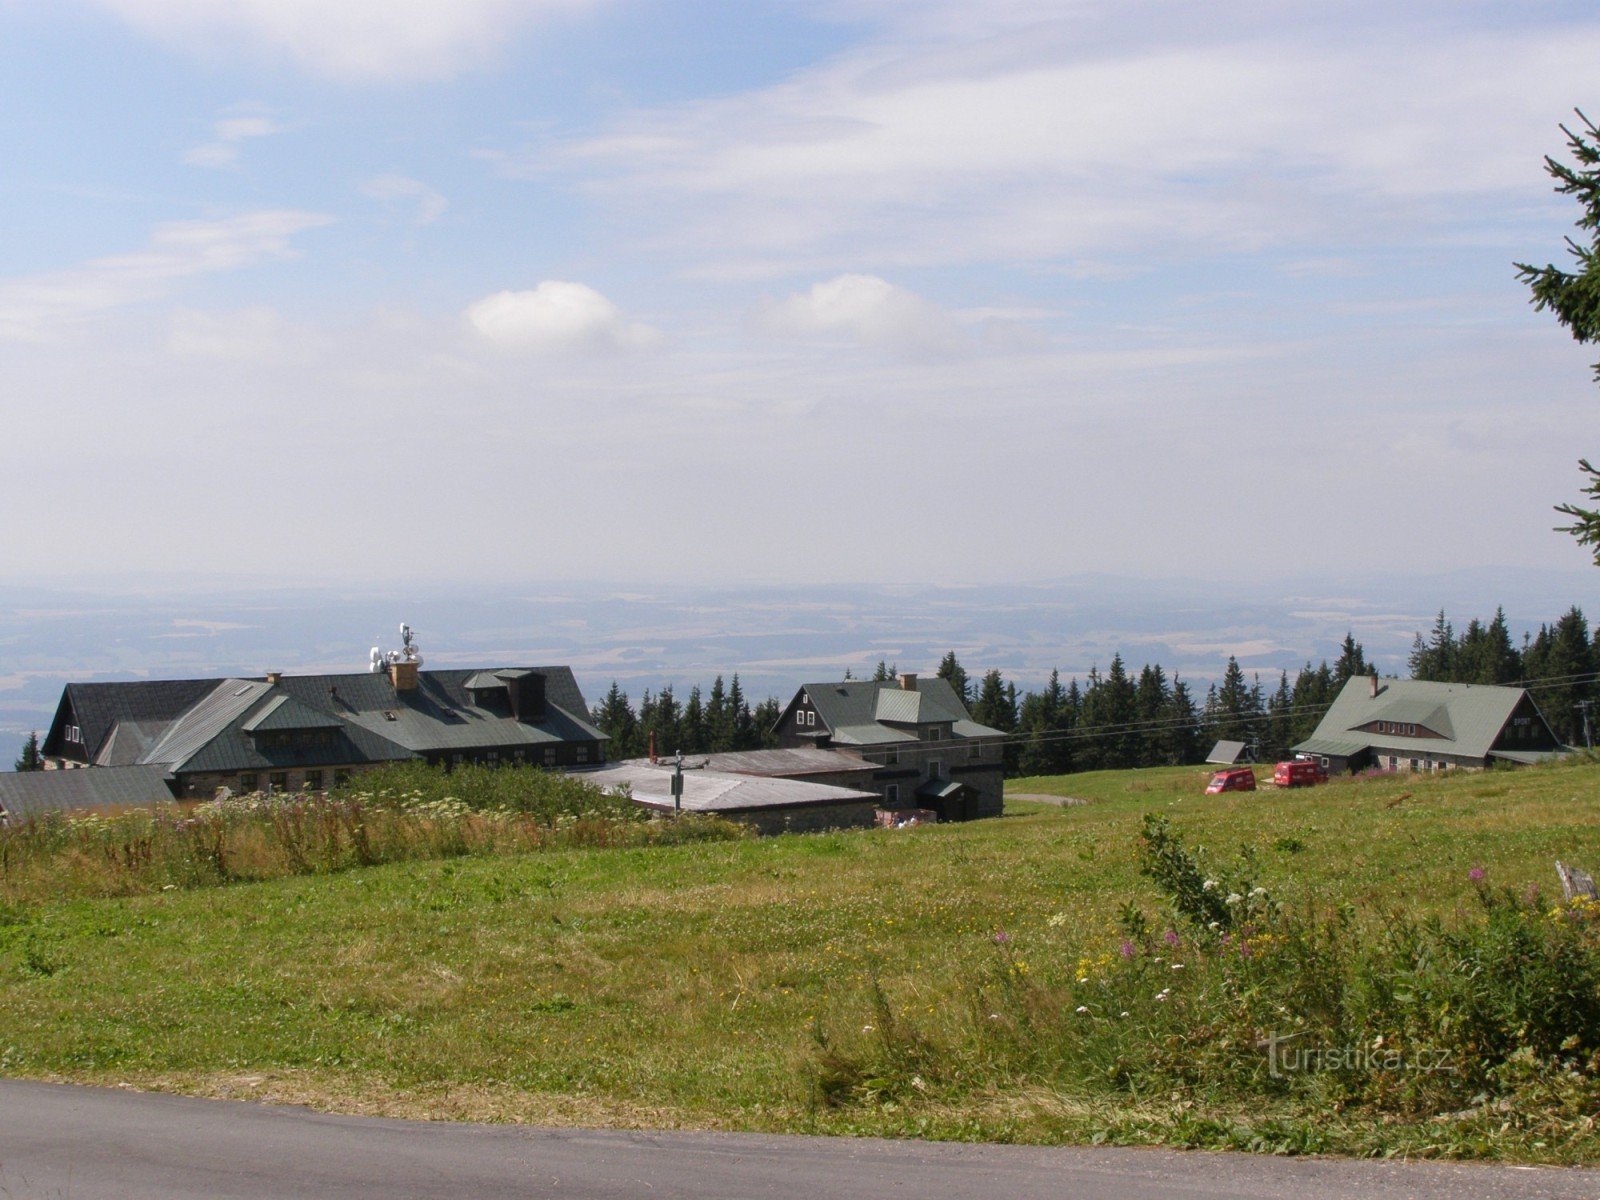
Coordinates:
[677,785]
[1583,707]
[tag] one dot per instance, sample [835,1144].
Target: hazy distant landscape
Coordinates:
[774,638]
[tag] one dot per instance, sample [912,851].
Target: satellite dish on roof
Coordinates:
[376,662]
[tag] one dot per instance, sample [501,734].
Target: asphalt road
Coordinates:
[75,1143]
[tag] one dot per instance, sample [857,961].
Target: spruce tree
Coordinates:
[1181,726]
[1352,661]
[956,675]
[617,721]
[1574,296]
[31,759]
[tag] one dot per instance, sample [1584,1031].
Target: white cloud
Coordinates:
[558,316]
[1072,141]
[428,206]
[248,335]
[45,307]
[223,152]
[348,40]
[867,310]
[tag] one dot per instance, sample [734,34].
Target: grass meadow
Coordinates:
[1016,979]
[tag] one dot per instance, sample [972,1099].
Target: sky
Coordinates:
[835,290]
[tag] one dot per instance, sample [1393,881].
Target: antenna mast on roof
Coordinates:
[408,652]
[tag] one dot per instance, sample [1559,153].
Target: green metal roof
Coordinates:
[285,712]
[1473,714]
[855,710]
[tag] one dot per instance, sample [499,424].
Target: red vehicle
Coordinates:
[1235,779]
[1302,772]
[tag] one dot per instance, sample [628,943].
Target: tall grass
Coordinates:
[400,813]
[1483,1028]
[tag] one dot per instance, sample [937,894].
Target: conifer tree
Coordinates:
[616,720]
[1352,661]
[1236,708]
[1574,296]
[1181,726]
[764,721]
[692,727]
[956,675]
[31,759]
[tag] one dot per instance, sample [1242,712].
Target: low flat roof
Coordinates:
[29,793]
[716,791]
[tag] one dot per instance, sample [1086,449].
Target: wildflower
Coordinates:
[1257,893]
[1235,898]
[1057,920]
[1214,926]
[1476,874]
[866,1029]
[1123,1014]
[1171,937]
[1161,996]
[1208,885]
[1082,1009]
[1001,938]
[1127,948]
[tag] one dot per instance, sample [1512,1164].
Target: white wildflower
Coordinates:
[1082,1008]
[1235,898]
[1208,885]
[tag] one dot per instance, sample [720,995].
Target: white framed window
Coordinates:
[581,754]
[549,756]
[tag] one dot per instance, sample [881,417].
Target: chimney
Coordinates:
[908,682]
[274,676]
[404,676]
[1374,679]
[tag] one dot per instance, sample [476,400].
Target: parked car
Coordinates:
[1234,779]
[1301,772]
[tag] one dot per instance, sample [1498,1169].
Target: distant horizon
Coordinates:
[775,637]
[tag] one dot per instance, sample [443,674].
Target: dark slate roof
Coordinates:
[99,706]
[129,741]
[856,710]
[285,712]
[441,716]
[226,703]
[359,718]
[30,793]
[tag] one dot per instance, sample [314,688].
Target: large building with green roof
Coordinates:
[1417,725]
[308,732]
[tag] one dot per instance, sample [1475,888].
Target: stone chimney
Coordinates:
[404,676]
[1374,679]
[908,682]
[274,676]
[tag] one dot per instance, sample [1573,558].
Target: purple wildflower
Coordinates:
[1476,874]
[1171,937]
[1001,938]
[1127,949]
